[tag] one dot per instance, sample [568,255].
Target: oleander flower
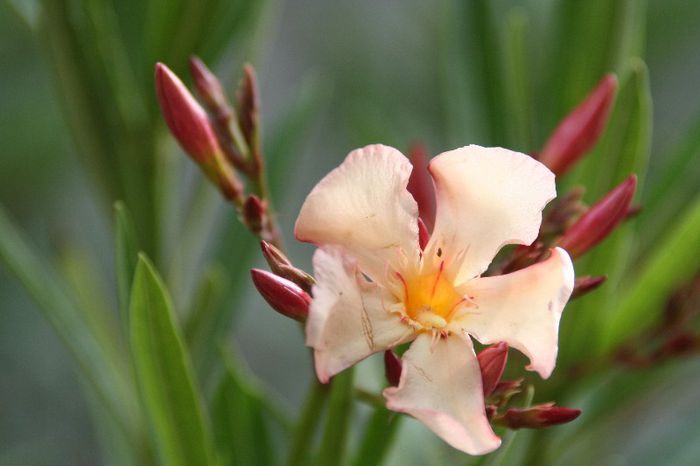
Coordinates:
[377,289]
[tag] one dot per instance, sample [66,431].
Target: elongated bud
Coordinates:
[537,417]
[580,130]
[600,220]
[210,89]
[392,368]
[186,119]
[280,265]
[420,184]
[190,125]
[282,295]
[586,284]
[492,362]
[248,111]
[423,234]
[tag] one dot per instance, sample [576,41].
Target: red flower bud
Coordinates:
[186,119]
[600,220]
[538,417]
[580,130]
[584,285]
[492,362]
[392,367]
[281,266]
[285,297]
[420,184]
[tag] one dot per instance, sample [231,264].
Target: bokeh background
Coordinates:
[333,76]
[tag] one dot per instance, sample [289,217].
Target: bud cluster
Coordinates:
[224,140]
[568,222]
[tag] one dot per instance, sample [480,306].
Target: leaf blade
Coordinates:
[164,373]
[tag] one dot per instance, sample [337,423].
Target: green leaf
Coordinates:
[673,187]
[241,419]
[487,34]
[334,440]
[593,38]
[516,83]
[126,256]
[673,262]
[163,369]
[201,320]
[99,360]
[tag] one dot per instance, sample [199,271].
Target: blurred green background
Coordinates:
[333,76]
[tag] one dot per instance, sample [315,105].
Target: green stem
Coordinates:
[304,433]
[334,439]
[378,437]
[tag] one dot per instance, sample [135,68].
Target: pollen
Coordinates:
[430,299]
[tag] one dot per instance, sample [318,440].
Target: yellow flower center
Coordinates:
[430,299]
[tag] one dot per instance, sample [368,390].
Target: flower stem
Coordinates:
[334,439]
[378,437]
[306,428]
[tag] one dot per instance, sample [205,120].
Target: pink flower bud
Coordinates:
[538,417]
[585,285]
[492,362]
[285,297]
[392,368]
[281,266]
[210,89]
[420,184]
[600,220]
[580,130]
[186,119]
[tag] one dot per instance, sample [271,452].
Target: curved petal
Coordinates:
[523,309]
[364,207]
[441,387]
[486,198]
[347,320]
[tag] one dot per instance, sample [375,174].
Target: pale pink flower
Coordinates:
[376,289]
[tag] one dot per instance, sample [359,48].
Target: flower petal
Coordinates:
[441,387]
[523,309]
[486,198]
[364,207]
[347,320]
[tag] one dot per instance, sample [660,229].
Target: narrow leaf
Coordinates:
[241,420]
[98,360]
[673,262]
[164,373]
[126,256]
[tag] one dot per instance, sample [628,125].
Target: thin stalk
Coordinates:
[308,422]
[334,441]
[378,437]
